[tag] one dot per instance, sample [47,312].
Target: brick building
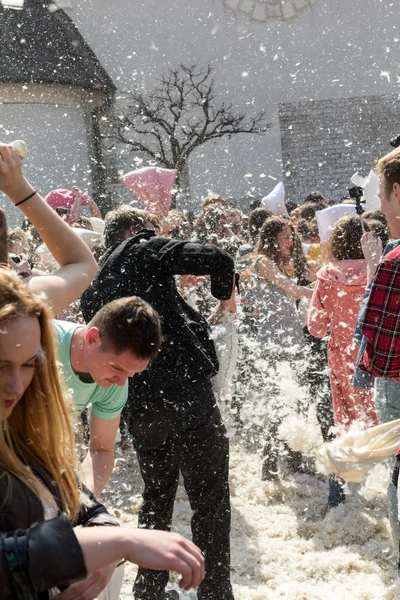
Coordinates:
[324,142]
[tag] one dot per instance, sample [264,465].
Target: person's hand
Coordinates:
[12,180]
[190,281]
[94,209]
[227,309]
[167,551]
[312,269]
[89,588]
[76,208]
[224,313]
[78,194]
[371,246]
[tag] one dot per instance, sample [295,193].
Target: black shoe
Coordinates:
[170,595]
[336,492]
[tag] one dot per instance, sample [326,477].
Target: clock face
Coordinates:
[262,10]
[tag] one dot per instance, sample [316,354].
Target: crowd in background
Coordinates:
[280,261]
[290,345]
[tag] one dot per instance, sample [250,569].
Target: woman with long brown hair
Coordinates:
[278,272]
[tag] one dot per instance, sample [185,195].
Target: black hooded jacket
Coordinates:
[144,266]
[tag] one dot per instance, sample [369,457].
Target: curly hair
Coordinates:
[213,199]
[210,222]
[344,241]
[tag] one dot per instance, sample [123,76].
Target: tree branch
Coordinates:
[180,114]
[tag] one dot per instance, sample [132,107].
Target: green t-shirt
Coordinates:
[107,403]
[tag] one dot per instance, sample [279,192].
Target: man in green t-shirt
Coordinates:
[96,360]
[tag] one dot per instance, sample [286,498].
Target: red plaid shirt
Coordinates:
[380,323]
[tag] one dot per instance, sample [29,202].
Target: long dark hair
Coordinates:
[267,245]
[257,219]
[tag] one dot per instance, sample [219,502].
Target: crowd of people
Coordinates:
[109,319]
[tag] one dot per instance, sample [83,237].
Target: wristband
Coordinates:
[25,199]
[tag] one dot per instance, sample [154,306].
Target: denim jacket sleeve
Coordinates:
[361,379]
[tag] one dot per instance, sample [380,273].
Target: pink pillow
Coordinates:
[153,186]
[63,198]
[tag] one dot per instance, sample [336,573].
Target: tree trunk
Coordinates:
[181,197]
[99,171]
[3,238]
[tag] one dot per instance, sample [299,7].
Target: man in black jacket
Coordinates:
[172,413]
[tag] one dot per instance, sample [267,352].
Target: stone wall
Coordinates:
[325,142]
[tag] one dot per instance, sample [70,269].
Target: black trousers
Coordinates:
[319,384]
[181,431]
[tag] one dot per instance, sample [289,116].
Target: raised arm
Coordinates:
[94,209]
[77,265]
[190,258]
[372,249]
[268,270]
[76,208]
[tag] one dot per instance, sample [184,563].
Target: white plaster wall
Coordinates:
[338,48]
[53,122]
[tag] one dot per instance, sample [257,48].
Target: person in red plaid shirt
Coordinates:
[380,322]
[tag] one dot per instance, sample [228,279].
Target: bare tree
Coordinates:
[180,114]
